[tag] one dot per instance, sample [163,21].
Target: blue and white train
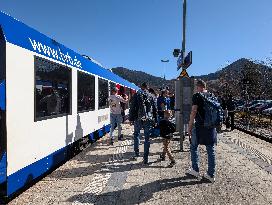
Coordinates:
[51,99]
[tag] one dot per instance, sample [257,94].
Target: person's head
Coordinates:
[54,91]
[167,93]
[162,93]
[167,114]
[152,91]
[200,85]
[114,91]
[144,86]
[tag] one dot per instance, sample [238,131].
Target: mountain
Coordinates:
[138,77]
[241,77]
[229,80]
[236,67]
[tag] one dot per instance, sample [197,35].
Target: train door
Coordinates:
[3,136]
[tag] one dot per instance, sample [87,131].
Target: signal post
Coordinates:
[184,86]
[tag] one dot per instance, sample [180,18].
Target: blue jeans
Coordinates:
[147,126]
[195,155]
[115,119]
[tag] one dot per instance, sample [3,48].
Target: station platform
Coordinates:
[104,174]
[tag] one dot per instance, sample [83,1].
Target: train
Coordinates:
[52,100]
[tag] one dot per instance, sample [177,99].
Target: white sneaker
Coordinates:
[193,173]
[208,177]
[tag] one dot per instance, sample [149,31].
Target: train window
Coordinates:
[112,85]
[85,92]
[103,93]
[128,93]
[52,89]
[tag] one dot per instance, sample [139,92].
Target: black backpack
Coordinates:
[141,106]
[145,111]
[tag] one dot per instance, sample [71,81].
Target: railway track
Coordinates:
[254,124]
[263,136]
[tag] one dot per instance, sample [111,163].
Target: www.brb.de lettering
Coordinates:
[57,54]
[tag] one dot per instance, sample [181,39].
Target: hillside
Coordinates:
[235,67]
[138,77]
[232,79]
[228,80]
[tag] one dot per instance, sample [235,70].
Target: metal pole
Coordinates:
[184,29]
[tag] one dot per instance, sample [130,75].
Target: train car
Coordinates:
[51,99]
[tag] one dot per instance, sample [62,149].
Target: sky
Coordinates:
[138,34]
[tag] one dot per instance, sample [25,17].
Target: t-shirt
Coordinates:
[166,127]
[115,106]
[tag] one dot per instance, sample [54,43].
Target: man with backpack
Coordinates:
[207,114]
[143,113]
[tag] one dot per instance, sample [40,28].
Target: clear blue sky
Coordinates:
[137,34]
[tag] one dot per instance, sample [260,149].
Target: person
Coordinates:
[230,116]
[163,103]
[172,101]
[123,105]
[115,112]
[143,113]
[153,94]
[198,134]
[53,102]
[167,129]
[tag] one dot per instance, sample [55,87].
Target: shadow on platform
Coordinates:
[136,194]
[98,162]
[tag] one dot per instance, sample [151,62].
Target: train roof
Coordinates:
[18,33]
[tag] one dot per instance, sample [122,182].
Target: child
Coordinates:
[166,130]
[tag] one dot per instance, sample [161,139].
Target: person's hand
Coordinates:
[190,131]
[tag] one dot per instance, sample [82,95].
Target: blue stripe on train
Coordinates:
[24,176]
[3,168]
[3,95]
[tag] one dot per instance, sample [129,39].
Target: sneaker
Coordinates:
[111,142]
[172,163]
[134,158]
[121,137]
[145,162]
[193,173]
[208,177]
[162,157]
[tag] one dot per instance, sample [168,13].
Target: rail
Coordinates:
[253,123]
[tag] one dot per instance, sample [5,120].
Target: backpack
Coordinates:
[145,110]
[213,111]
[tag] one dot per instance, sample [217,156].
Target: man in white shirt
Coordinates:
[115,112]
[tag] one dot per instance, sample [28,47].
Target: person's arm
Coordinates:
[192,117]
[155,111]
[123,100]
